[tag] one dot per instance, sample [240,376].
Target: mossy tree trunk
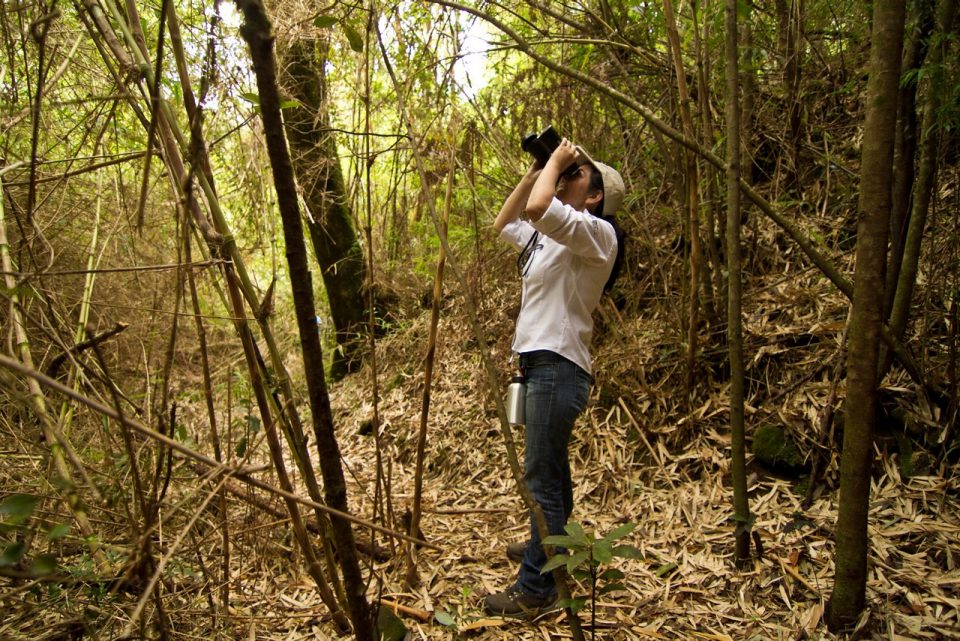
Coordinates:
[319,175]
[873,227]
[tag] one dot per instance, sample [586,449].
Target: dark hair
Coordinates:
[596,184]
[621,246]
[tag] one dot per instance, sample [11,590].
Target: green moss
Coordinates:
[773,448]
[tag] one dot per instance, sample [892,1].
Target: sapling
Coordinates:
[585,558]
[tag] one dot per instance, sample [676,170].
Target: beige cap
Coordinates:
[613,188]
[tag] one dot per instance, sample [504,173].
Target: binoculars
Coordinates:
[541,147]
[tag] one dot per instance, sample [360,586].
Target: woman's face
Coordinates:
[574,188]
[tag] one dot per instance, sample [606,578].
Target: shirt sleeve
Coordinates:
[517,233]
[583,234]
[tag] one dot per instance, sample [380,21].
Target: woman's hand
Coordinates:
[564,155]
[545,186]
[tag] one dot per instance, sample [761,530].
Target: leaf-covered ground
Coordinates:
[635,459]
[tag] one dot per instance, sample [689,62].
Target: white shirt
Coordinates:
[564,280]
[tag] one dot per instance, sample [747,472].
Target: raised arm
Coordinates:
[545,187]
[515,203]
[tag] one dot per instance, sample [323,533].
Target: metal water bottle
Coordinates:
[516,400]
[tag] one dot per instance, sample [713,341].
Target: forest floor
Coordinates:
[632,462]
[641,453]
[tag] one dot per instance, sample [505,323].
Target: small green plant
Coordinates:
[586,558]
[452,619]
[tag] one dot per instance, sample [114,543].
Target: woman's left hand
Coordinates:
[564,155]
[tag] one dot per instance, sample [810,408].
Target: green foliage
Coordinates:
[456,616]
[585,559]
[16,536]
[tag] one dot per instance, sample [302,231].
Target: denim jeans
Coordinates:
[557,391]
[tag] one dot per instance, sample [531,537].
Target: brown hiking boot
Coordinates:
[514,602]
[516,550]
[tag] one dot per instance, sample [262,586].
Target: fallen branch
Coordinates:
[420,615]
[58,360]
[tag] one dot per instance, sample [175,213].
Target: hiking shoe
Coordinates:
[516,550]
[514,602]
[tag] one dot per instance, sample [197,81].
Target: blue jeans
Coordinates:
[557,391]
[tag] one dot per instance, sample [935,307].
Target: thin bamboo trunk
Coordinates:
[224,605]
[58,447]
[256,31]
[691,196]
[741,506]
[415,510]
[923,186]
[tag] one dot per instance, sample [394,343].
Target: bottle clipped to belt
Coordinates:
[516,399]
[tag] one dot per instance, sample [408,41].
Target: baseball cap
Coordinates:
[613,188]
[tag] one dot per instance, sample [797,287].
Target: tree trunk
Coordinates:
[873,227]
[319,174]
[741,507]
[713,276]
[905,145]
[691,197]
[790,14]
[256,31]
[926,172]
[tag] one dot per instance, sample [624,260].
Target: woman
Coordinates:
[567,260]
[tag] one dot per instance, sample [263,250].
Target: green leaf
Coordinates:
[582,574]
[253,422]
[561,540]
[602,551]
[43,564]
[554,562]
[324,22]
[252,98]
[12,553]
[573,604]
[665,569]
[182,432]
[611,574]
[612,587]
[241,447]
[18,507]
[58,531]
[620,531]
[444,618]
[575,560]
[627,552]
[290,103]
[575,530]
[353,37]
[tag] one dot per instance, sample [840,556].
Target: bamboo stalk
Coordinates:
[56,442]
[220,240]
[691,185]
[411,575]
[212,420]
[256,30]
